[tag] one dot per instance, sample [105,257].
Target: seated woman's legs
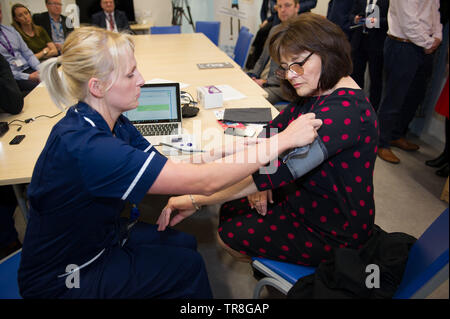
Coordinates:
[280,235]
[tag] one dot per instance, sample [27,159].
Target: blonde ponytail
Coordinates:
[48,72]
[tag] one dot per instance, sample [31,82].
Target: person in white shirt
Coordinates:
[415,32]
[24,65]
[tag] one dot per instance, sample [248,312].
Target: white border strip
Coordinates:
[89,120]
[138,176]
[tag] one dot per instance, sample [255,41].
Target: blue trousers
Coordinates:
[407,68]
[151,264]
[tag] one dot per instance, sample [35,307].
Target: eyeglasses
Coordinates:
[55,4]
[280,6]
[296,67]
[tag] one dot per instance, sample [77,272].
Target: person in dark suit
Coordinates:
[12,98]
[111,19]
[367,44]
[338,12]
[57,26]
[11,102]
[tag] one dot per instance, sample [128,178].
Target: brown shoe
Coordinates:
[387,155]
[405,145]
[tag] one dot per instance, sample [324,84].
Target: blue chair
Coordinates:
[9,288]
[243,28]
[209,28]
[279,275]
[426,268]
[165,30]
[242,47]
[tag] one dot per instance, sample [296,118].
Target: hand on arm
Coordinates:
[52,50]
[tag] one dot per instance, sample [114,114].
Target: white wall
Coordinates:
[160,11]
[322,7]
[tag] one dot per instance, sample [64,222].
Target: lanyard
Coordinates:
[8,45]
[370,6]
[59,32]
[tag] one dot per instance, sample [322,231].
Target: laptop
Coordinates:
[158,115]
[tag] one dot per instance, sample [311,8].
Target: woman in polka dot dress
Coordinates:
[323,195]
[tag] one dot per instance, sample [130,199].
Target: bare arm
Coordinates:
[53,50]
[206,179]
[185,204]
[49,51]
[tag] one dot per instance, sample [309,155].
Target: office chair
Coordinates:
[9,287]
[209,28]
[426,268]
[243,28]
[166,29]
[242,46]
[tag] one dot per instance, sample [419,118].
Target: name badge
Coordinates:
[18,63]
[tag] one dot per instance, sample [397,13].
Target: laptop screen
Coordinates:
[158,103]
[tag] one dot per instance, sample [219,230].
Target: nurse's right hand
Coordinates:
[301,132]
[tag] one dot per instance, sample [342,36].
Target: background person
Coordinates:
[57,25]
[34,36]
[23,63]
[110,18]
[264,71]
[367,46]
[415,32]
[11,102]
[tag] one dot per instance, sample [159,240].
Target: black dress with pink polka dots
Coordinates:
[331,206]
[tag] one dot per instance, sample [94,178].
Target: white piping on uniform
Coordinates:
[146,150]
[138,176]
[82,266]
[89,120]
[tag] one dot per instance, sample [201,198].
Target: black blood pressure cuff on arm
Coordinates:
[302,160]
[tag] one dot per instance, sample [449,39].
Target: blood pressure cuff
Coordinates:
[303,159]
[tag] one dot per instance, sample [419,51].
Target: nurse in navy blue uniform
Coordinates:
[94,162]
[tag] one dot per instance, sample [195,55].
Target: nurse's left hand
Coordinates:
[182,204]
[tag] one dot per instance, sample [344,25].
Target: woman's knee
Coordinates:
[235,254]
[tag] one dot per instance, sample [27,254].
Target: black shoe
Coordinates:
[438,161]
[443,172]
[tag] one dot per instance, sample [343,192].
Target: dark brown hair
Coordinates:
[313,33]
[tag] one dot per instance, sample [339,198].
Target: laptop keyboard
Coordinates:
[158,129]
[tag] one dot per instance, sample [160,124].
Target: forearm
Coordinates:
[53,50]
[206,179]
[241,164]
[238,190]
